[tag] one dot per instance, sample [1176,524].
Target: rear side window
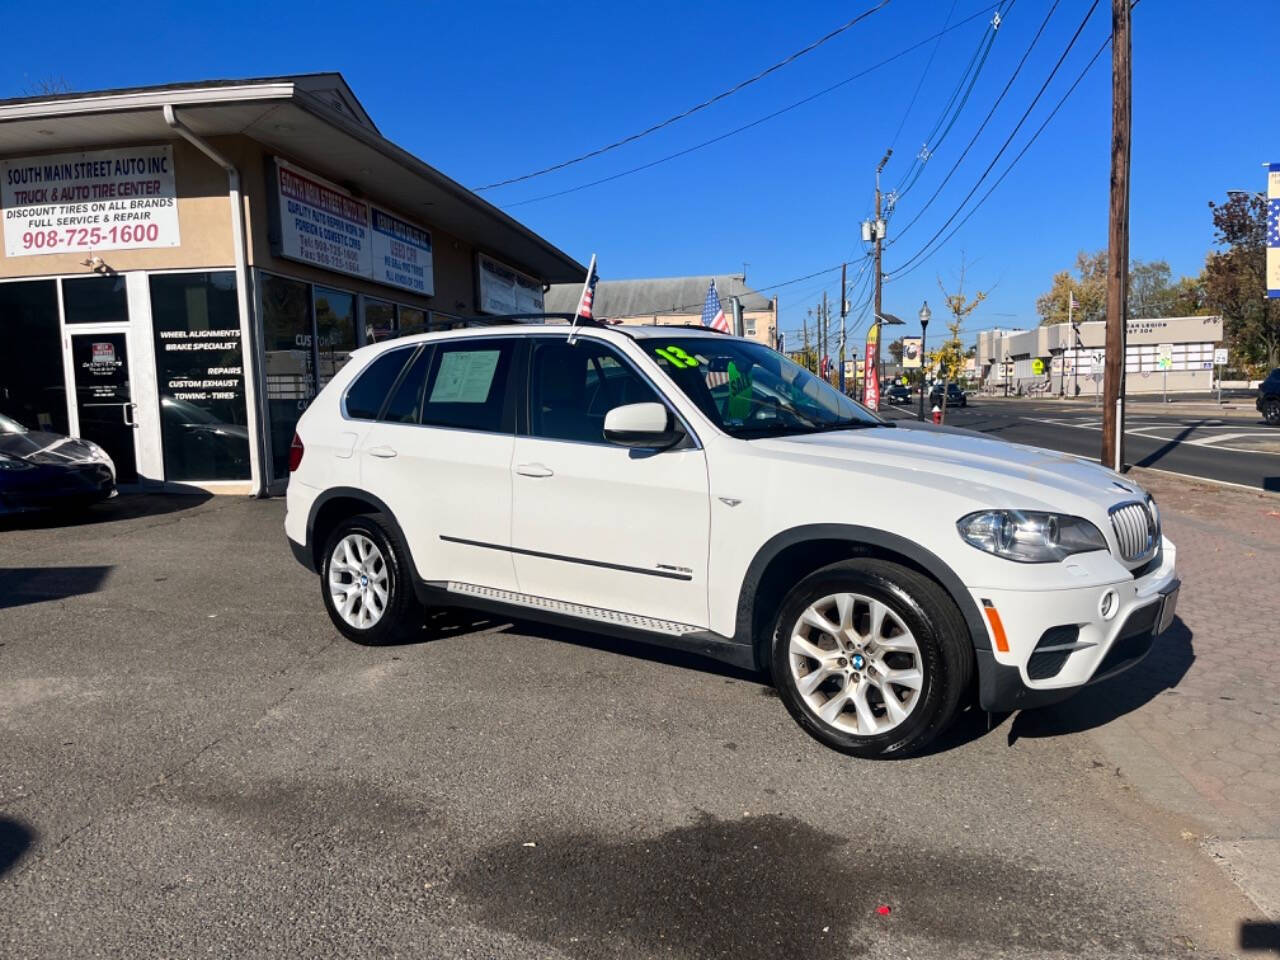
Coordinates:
[366,395]
[467,388]
[406,401]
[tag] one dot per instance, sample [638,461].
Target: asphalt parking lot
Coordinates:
[194,764]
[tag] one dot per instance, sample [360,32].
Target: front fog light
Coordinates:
[1108,605]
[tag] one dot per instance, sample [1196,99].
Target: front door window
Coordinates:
[104,397]
[95,299]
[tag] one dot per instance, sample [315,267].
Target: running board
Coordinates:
[579,611]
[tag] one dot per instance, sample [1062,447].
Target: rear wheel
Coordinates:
[365,581]
[871,658]
[1271,411]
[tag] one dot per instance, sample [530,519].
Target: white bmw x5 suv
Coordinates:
[702,491]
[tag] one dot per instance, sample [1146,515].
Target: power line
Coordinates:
[904,270]
[1005,145]
[929,63]
[982,126]
[692,110]
[753,123]
[970,76]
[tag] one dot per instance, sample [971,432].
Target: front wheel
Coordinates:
[1271,411]
[365,581]
[871,658]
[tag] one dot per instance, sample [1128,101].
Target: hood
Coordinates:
[1004,475]
[49,449]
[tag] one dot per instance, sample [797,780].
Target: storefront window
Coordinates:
[379,320]
[412,321]
[95,300]
[32,388]
[200,376]
[291,383]
[335,330]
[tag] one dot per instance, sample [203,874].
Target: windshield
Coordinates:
[748,390]
[10,426]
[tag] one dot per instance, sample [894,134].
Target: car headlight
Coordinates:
[14,463]
[1029,536]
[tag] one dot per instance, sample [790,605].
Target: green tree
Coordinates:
[895,350]
[1152,291]
[1236,280]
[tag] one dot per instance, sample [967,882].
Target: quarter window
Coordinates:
[407,399]
[367,394]
[573,386]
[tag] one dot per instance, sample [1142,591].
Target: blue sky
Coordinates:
[494,90]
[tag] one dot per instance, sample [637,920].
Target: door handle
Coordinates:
[125,409]
[534,470]
[385,452]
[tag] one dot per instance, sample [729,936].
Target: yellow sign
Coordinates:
[1037,367]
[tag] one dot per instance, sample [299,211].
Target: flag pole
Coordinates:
[573,326]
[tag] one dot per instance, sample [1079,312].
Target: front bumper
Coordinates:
[45,487]
[1057,641]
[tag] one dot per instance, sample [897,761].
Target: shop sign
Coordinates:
[504,289]
[122,199]
[322,224]
[401,254]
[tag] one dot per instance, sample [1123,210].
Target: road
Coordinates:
[1235,446]
[193,763]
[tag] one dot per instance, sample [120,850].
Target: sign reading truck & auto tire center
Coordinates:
[119,199]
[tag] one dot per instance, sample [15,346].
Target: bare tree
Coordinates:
[949,358]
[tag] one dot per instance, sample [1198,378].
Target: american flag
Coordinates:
[712,312]
[588,291]
[1075,304]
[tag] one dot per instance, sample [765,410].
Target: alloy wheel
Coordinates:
[855,664]
[358,581]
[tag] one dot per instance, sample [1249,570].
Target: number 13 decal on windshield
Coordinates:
[677,357]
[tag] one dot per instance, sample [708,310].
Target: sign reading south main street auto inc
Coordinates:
[322,224]
[84,202]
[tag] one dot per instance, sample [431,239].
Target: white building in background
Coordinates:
[1176,352]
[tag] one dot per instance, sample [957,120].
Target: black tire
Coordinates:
[1271,411]
[946,653]
[401,615]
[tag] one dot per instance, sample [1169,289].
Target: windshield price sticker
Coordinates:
[677,357]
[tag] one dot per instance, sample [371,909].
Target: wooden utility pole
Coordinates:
[1117,238]
[826,335]
[805,356]
[871,364]
[844,313]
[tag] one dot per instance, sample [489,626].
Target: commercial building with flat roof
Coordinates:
[185,266]
[1174,353]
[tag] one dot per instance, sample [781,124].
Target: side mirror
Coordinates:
[648,425]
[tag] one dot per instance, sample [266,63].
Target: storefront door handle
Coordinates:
[386,453]
[125,410]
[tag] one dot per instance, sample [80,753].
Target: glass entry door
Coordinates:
[104,397]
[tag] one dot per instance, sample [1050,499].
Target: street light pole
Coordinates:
[925,315]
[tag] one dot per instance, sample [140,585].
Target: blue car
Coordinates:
[42,471]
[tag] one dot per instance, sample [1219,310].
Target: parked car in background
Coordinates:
[629,480]
[41,470]
[897,393]
[955,396]
[1268,401]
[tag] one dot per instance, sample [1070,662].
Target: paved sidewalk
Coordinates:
[1197,728]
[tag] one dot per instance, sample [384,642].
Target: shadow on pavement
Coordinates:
[23,585]
[1097,705]
[127,506]
[15,838]
[1155,456]
[1259,936]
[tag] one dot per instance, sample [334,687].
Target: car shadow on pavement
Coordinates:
[1260,936]
[1099,704]
[126,506]
[22,585]
[15,839]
